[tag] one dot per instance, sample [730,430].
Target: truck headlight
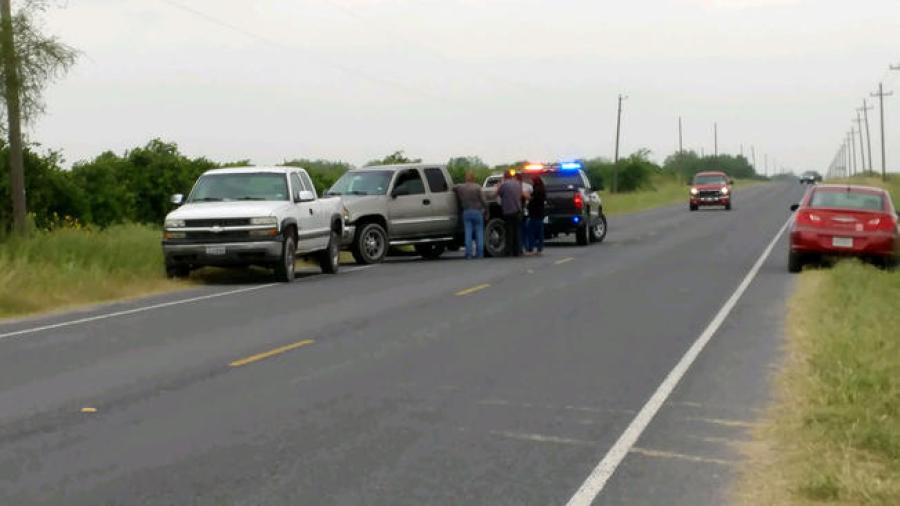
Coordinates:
[694,191]
[174,224]
[724,190]
[265,220]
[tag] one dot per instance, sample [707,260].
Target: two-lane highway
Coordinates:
[502,381]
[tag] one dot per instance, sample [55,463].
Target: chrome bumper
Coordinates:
[222,253]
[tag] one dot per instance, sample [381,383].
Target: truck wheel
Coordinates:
[430,251]
[284,269]
[795,262]
[598,232]
[370,245]
[495,238]
[693,207]
[728,206]
[330,258]
[177,271]
[581,235]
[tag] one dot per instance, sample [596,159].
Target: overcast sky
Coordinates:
[354,80]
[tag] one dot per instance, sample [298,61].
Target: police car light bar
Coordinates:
[570,165]
[534,166]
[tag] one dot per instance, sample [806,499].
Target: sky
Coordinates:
[506,80]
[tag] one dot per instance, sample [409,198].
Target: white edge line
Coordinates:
[595,482]
[127,312]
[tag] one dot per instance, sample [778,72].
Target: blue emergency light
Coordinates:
[570,166]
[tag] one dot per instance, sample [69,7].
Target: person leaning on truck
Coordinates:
[473,205]
[510,193]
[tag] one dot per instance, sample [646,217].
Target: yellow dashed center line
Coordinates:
[271,353]
[474,289]
[563,260]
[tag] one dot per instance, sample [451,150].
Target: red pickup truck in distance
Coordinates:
[711,188]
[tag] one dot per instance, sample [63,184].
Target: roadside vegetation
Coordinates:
[73,265]
[833,434]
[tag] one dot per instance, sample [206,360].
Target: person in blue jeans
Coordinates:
[473,205]
[535,221]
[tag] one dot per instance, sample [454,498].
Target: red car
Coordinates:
[711,188]
[844,220]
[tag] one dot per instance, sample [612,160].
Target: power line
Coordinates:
[324,62]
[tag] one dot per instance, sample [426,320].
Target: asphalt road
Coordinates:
[494,382]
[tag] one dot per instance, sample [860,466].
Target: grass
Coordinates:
[70,267]
[666,191]
[832,435]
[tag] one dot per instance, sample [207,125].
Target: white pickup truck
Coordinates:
[266,216]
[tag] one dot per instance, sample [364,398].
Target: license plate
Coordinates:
[842,242]
[215,250]
[546,219]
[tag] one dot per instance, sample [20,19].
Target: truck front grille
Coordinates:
[217,222]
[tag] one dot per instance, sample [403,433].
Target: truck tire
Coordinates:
[430,251]
[330,257]
[177,271]
[598,231]
[795,262]
[693,207]
[370,244]
[581,235]
[728,206]
[495,238]
[284,268]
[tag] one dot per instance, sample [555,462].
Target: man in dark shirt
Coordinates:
[510,193]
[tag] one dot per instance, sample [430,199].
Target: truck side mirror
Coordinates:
[304,196]
[794,207]
[398,192]
[177,199]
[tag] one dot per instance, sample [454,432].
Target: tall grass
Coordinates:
[72,266]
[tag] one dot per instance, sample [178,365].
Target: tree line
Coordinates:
[135,187]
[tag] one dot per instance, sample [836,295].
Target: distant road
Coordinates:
[494,382]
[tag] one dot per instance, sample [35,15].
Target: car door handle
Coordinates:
[426,202]
[311,211]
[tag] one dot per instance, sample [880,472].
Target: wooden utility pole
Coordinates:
[851,138]
[680,139]
[865,110]
[880,95]
[716,140]
[862,150]
[753,153]
[615,186]
[14,117]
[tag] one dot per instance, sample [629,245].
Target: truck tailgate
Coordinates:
[561,202]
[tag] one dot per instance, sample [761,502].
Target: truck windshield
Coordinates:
[709,180]
[228,187]
[557,180]
[367,182]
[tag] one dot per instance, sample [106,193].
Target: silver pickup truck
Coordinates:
[266,216]
[396,205]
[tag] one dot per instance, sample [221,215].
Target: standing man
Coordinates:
[510,194]
[535,220]
[473,204]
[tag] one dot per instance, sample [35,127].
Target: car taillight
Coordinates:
[579,201]
[808,218]
[882,223]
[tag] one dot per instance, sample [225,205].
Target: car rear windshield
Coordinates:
[557,180]
[368,182]
[228,187]
[709,180]
[843,199]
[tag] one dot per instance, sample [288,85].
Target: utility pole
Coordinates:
[766,157]
[865,110]
[14,116]
[742,149]
[753,152]
[615,185]
[880,95]
[680,139]
[862,152]
[851,139]
[716,139]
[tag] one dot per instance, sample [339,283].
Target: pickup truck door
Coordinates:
[408,205]
[308,235]
[322,210]
[443,210]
